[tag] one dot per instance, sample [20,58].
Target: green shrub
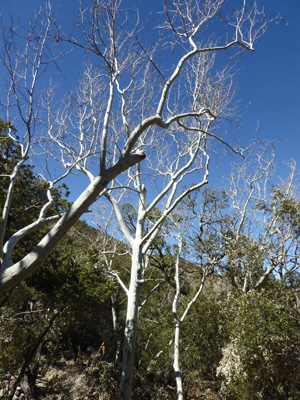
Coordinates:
[261,359]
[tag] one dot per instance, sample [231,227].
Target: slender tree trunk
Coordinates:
[178,322]
[176,363]
[115,324]
[131,324]
[114,313]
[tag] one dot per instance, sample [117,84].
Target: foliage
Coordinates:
[244,254]
[48,316]
[30,192]
[61,283]
[203,337]
[261,357]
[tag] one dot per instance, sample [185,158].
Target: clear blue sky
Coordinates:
[269,80]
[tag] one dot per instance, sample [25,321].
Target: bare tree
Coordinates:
[128,102]
[227,235]
[176,156]
[249,183]
[248,230]
[280,224]
[264,235]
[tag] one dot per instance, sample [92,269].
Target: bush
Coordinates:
[261,359]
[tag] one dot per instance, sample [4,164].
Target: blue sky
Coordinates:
[268,81]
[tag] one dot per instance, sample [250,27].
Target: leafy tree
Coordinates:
[29,194]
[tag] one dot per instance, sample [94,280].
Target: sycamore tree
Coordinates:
[181,306]
[249,229]
[136,101]
[178,149]
[127,91]
[264,235]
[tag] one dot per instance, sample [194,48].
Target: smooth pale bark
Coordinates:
[133,298]
[179,320]
[176,363]
[131,323]
[6,207]
[140,245]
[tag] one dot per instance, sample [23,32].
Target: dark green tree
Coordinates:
[30,193]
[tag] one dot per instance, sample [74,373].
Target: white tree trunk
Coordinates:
[176,364]
[115,324]
[114,313]
[178,321]
[131,323]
